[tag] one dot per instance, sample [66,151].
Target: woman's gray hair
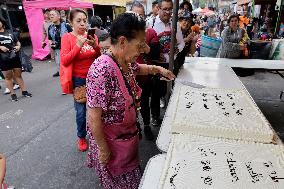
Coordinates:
[137,4]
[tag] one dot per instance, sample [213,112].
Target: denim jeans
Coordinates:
[57,58]
[80,110]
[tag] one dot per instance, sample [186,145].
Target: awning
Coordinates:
[34,15]
[120,3]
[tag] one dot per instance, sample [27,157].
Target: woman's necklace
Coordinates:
[129,78]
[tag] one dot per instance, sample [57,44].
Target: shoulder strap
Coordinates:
[124,78]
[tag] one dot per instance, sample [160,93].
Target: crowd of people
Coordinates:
[120,70]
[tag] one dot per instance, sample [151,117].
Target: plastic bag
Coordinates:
[26,62]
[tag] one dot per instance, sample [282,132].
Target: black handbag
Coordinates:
[8,56]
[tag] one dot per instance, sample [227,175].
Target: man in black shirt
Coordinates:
[55,31]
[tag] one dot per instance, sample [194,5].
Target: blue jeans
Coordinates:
[80,110]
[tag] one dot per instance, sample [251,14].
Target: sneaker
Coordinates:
[162,103]
[14,98]
[148,133]
[56,74]
[82,144]
[16,86]
[26,94]
[156,122]
[7,91]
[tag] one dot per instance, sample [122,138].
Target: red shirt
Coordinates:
[75,61]
[151,37]
[80,57]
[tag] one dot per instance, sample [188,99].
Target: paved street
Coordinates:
[38,135]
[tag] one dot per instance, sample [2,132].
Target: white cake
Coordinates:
[196,162]
[220,113]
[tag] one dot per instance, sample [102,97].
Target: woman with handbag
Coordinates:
[78,52]
[10,62]
[113,99]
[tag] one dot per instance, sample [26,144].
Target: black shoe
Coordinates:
[14,97]
[148,133]
[26,94]
[56,74]
[156,122]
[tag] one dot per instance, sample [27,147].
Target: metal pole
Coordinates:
[8,17]
[173,44]
[173,34]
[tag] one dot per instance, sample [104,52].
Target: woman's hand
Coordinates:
[92,41]
[166,74]
[4,49]
[104,154]
[81,40]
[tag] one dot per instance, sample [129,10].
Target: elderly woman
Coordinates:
[232,36]
[113,103]
[78,52]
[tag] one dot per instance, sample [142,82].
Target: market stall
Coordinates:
[115,6]
[119,3]
[34,15]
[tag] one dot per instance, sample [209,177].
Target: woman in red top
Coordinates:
[77,55]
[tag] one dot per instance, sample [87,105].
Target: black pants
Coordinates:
[147,107]
[179,61]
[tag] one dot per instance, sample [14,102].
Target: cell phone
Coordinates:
[91,32]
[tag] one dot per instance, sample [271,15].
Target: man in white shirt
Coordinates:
[155,12]
[163,25]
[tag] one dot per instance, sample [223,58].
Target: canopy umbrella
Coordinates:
[119,3]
